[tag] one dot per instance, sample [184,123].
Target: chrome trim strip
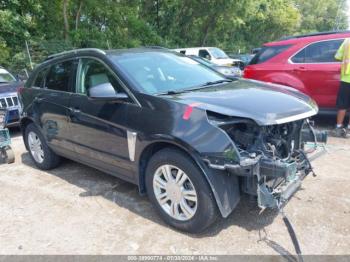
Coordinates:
[296,117]
[131,144]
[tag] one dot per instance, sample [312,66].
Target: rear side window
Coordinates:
[320,52]
[60,76]
[268,52]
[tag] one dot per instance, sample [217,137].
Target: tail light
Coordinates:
[247,73]
[20,90]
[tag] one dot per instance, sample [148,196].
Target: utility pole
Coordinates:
[28,53]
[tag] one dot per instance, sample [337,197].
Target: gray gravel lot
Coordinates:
[78,210]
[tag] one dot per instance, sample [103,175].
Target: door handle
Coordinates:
[38,100]
[74,111]
[300,68]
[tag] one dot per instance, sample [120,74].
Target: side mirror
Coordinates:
[207,57]
[106,91]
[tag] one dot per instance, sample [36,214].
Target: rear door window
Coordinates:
[320,52]
[268,52]
[61,76]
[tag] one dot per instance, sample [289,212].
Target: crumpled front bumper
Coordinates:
[275,181]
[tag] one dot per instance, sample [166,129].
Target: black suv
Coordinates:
[189,138]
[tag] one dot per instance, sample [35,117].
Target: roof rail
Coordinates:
[315,34]
[155,47]
[74,51]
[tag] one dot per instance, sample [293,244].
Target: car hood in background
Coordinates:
[9,87]
[266,104]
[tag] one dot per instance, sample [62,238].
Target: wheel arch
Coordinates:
[224,188]
[287,80]
[25,121]
[152,149]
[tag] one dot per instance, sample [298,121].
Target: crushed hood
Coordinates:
[11,87]
[265,103]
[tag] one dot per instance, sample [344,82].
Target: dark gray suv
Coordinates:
[191,139]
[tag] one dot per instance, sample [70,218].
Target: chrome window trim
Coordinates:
[126,89]
[299,50]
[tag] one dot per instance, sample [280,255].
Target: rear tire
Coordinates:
[43,157]
[183,199]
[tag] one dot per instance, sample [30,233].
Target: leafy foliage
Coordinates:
[235,25]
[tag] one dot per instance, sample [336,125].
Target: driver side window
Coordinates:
[94,73]
[204,53]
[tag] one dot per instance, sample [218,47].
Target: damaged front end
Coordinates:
[273,159]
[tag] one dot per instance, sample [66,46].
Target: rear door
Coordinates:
[51,92]
[98,126]
[317,68]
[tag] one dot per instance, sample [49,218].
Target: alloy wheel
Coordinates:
[175,192]
[35,147]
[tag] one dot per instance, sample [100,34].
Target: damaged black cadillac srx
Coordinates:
[191,139]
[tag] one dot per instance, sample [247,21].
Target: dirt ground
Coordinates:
[78,210]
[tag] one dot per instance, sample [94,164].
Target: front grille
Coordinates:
[10,101]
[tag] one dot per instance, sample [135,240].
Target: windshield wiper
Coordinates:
[174,92]
[216,82]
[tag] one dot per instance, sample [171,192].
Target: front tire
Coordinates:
[43,157]
[179,191]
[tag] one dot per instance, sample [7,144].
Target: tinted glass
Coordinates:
[94,73]
[158,72]
[60,76]
[320,52]
[202,61]
[40,78]
[268,52]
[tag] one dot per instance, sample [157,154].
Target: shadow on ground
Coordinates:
[124,194]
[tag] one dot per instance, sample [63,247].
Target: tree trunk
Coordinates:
[77,17]
[65,19]
[210,24]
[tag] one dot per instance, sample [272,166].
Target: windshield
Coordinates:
[217,53]
[203,61]
[5,76]
[160,72]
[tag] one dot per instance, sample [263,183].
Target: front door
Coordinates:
[98,126]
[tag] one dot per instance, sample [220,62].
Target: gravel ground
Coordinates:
[78,210]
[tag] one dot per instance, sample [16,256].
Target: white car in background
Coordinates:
[214,54]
